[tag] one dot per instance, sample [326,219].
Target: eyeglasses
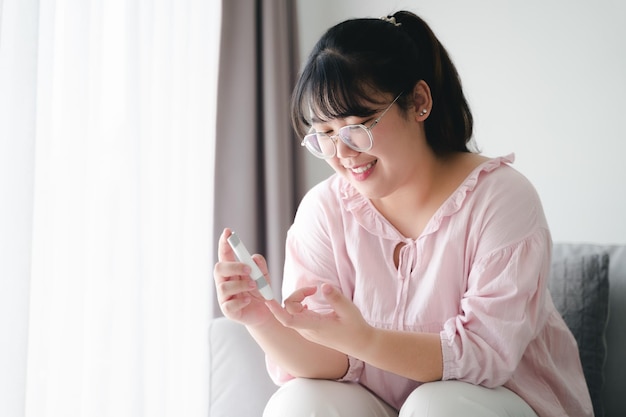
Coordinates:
[357,137]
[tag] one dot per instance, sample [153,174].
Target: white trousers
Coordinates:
[322,398]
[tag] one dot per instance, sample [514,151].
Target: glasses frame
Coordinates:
[334,138]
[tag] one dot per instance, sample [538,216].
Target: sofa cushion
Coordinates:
[239,383]
[579,285]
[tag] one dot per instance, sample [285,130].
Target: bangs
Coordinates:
[331,89]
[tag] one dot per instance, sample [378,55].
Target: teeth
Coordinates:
[363,168]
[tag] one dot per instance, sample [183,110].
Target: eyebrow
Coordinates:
[316,119]
[367,118]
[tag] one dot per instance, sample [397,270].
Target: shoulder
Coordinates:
[323,194]
[501,170]
[507,205]
[330,196]
[499,183]
[320,206]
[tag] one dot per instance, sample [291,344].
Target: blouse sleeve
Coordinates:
[313,246]
[501,312]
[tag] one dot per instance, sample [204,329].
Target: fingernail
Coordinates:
[247,270]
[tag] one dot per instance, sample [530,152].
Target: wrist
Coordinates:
[363,345]
[267,323]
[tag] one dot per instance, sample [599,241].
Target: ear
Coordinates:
[422,101]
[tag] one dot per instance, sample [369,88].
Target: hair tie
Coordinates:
[391,20]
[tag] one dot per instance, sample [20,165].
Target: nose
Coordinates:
[343,150]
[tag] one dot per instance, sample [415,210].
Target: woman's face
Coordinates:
[392,163]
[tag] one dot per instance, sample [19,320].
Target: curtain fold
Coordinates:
[256,166]
[123,170]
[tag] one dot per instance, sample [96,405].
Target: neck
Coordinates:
[410,207]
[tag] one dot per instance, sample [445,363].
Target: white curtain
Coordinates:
[122,142]
[18,23]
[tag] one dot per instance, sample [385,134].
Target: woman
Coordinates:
[415,276]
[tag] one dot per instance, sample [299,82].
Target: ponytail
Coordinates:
[450,125]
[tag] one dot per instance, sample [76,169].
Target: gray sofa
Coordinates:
[588,285]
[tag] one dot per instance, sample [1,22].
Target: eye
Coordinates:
[322,129]
[363,120]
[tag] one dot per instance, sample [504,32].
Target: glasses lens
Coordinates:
[358,137]
[320,144]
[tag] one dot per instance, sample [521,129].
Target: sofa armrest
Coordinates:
[239,384]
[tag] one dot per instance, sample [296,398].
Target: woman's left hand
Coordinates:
[343,328]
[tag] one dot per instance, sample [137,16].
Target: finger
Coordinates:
[226,290]
[224,251]
[261,263]
[300,294]
[306,320]
[227,271]
[295,307]
[294,303]
[282,315]
[233,306]
[338,302]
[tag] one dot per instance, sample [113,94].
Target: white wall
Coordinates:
[546,79]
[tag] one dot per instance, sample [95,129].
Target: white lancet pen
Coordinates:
[244,256]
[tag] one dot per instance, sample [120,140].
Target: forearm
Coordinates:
[413,355]
[296,355]
[416,356]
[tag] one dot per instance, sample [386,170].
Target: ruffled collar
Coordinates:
[371,220]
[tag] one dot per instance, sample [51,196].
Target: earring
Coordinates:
[423,112]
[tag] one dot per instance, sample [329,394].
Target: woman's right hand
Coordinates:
[237,293]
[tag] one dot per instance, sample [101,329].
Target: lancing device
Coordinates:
[244,256]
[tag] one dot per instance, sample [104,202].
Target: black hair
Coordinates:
[358,58]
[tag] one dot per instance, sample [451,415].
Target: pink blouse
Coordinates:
[476,275]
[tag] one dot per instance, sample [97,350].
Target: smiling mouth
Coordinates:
[363,168]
